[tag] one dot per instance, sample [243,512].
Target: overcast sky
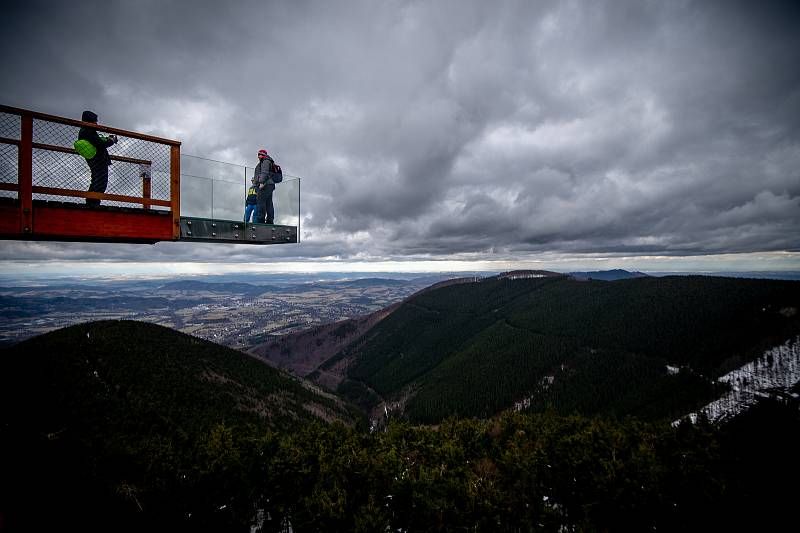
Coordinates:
[516,131]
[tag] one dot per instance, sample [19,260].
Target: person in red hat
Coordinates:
[266,186]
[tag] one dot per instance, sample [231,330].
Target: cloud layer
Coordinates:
[450,129]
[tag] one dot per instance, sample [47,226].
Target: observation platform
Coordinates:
[154,192]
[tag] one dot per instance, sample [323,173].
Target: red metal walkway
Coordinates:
[47,166]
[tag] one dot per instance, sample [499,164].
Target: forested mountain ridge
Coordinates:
[113,409]
[129,366]
[304,353]
[593,347]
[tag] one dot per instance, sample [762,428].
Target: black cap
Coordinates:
[89,116]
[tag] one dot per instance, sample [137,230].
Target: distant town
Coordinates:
[239,311]
[229,312]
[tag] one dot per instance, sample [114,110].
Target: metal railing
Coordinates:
[216,190]
[40,169]
[38,162]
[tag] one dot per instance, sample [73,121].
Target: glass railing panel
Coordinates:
[287,201]
[224,199]
[228,200]
[213,188]
[210,168]
[196,196]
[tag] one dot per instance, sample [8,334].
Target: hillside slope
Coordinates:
[135,368]
[586,346]
[302,353]
[102,417]
[305,353]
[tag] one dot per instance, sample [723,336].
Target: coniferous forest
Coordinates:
[128,426]
[592,347]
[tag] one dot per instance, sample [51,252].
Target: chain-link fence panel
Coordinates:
[9,153]
[134,163]
[10,126]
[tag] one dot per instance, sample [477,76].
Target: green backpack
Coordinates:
[85,148]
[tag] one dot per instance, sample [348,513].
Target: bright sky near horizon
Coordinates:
[447,135]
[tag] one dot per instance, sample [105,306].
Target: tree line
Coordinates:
[475,349]
[516,472]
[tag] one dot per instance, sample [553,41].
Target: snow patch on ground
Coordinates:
[544,384]
[772,374]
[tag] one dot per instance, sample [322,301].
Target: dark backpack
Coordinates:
[276,174]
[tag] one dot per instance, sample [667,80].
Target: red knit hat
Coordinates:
[262,152]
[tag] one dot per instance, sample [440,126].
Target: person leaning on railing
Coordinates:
[94,148]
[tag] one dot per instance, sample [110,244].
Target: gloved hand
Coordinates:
[113,138]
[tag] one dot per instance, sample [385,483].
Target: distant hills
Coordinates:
[253,289]
[473,347]
[223,287]
[14,307]
[608,275]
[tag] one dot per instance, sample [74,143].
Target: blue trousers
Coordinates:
[250,210]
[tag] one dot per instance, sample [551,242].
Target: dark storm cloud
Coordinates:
[437,128]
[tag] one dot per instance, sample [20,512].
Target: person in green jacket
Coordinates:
[100,160]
